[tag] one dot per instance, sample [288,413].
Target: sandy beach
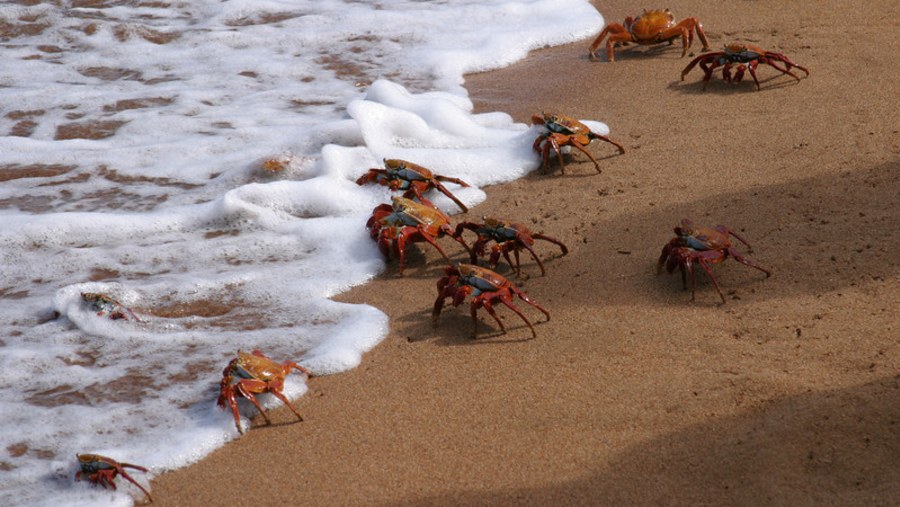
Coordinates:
[632,394]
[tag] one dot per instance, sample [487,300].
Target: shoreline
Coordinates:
[631,394]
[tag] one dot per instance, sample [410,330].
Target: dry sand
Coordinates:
[788,394]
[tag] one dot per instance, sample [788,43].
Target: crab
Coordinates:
[487,286]
[103,471]
[253,373]
[564,131]
[105,305]
[413,178]
[651,27]
[747,57]
[509,236]
[405,220]
[705,246]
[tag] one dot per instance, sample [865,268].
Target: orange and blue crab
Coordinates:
[487,287]
[705,246]
[564,131]
[105,305]
[413,178]
[103,471]
[253,373]
[508,236]
[404,221]
[747,57]
[651,27]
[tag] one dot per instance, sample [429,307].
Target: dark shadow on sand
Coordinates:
[830,447]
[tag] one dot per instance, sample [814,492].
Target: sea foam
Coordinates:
[135,171]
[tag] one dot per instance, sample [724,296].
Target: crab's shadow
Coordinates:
[582,165]
[717,85]
[634,51]
[454,327]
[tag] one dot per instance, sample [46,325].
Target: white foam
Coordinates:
[173,214]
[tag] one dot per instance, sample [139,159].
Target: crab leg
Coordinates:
[702,261]
[483,301]
[583,150]
[531,251]
[291,364]
[506,301]
[519,262]
[784,59]
[400,249]
[688,268]
[554,142]
[725,230]
[601,137]
[727,76]
[617,33]
[130,479]
[418,193]
[444,291]
[708,71]
[245,387]
[237,416]
[443,190]
[527,299]
[278,394]
[555,241]
[752,68]
[783,70]
[747,262]
[671,34]
[701,58]
[504,249]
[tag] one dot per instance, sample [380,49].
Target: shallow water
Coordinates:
[195,161]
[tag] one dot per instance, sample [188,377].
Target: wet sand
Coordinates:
[632,394]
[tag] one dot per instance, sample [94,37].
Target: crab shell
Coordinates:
[701,238]
[413,213]
[738,52]
[563,124]
[403,170]
[648,26]
[249,366]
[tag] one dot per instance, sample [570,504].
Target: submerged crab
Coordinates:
[508,236]
[705,246]
[405,220]
[564,131]
[741,54]
[413,178]
[253,373]
[103,471]
[105,305]
[488,288]
[651,27]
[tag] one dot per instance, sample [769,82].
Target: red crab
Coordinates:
[103,471]
[488,288]
[741,54]
[651,27]
[405,220]
[509,236]
[415,179]
[105,305]
[563,131]
[705,246]
[253,373]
